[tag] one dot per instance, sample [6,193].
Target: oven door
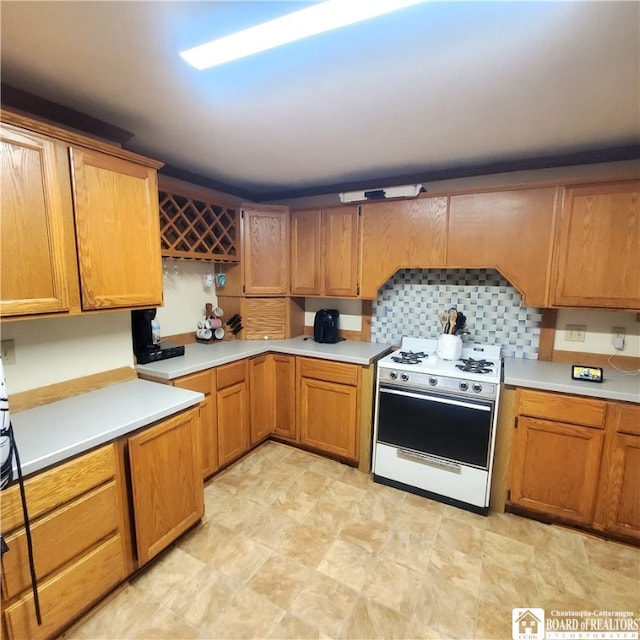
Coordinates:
[445,426]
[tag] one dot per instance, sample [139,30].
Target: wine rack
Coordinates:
[192,228]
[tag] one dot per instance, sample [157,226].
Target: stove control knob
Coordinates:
[477,387]
[433,381]
[463,386]
[404,377]
[393,375]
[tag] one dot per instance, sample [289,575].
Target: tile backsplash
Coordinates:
[409,303]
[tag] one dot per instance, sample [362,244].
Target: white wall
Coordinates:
[598,331]
[51,350]
[350,311]
[185,294]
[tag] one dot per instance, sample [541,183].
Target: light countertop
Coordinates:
[556,376]
[60,430]
[199,357]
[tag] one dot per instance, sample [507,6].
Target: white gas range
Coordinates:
[435,422]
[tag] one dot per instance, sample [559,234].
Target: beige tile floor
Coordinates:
[296,546]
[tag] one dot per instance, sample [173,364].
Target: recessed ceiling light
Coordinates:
[319,18]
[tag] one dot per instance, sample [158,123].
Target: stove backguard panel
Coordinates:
[408,304]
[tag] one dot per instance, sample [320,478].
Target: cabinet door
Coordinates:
[285,397]
[328,416]
[508,230]
[555,468]
[233,422]
[118,231]
[262,397]
[340,251]
[34,278]
[166,478]
[597,262]
[622,499]
[265,257]
[401,234]
[204,382]
[306,258]
[208,436]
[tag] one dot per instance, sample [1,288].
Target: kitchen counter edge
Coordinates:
[58,431]
[199,357]
[556,376]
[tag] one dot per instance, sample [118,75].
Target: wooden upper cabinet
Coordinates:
[306,256]
[511,231]
[401,234]
[266,250]
[118,231]
[596,258]
[340,252]
[80,227]
[324,252]
[32,249]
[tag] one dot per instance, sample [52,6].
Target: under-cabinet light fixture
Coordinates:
[318,18]
[404,191]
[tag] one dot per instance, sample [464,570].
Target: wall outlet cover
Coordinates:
[8,351]
[575,332]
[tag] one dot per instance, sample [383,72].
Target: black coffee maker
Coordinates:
[143,346]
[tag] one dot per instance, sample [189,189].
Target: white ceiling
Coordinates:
[442,88]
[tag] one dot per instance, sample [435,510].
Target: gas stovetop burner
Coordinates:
[475,366]
[409,357]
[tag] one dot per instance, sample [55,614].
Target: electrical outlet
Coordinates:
[8,350]
[575,332]
[617,337]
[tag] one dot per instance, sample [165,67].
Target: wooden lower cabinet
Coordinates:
[233,412]
[166,479]
[328,407]
[577,460]
[272,391]
[81,541]
[284,376]
[556,468]
[619,506]
[204,382]
[621,501]
[262,398]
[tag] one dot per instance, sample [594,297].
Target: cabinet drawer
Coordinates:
[562,408]
[625,417]
[60,537]
[230,374]
[61,484]
[338,372]
[69,593]
[202,382]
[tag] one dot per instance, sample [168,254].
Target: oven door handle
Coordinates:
[434,398]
